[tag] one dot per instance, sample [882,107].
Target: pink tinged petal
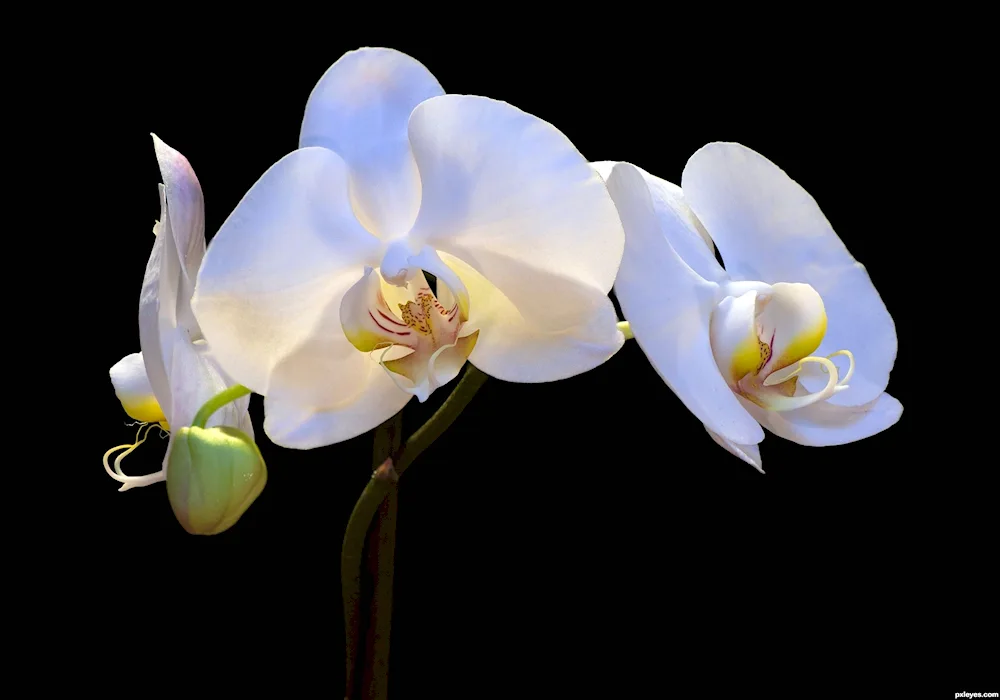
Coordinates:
[149,320]
[769,228]
[183,223]
[289,424]
[669,307]
[824,424]
[748,453]
[270,288]
[510,195]
[360,108]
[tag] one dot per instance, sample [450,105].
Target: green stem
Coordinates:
[382,484]
[382,548]
[383,481]
[217,402]
[442,419]
[626,328]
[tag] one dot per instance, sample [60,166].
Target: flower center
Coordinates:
[421,346]
[763,342]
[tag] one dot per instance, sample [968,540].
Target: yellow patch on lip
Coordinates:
[802,345]
[146,410]
[748,357]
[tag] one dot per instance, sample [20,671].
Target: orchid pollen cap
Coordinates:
[213,475]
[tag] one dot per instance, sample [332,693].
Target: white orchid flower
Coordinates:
[167,382]
[753,344]
[316,279]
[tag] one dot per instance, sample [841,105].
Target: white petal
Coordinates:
[604,168]
[269,291]
[359,108]
[687,235]
[516,349]
[508,194]
[682,228]
[769,228]
[132,387]
[668,307]
[235,413]
[194,379]
[748,453]
[824,424]
[182,223]
[290,425]
[149,321]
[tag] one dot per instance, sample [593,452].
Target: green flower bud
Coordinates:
[213,475]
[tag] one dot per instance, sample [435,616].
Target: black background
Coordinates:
[584,538]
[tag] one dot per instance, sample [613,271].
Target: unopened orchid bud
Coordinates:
[213,475]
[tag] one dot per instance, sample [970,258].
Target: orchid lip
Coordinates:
[421,341]
[763,340]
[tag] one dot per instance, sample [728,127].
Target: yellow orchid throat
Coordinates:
[764,339]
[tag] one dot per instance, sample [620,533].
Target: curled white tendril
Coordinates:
[834,385]
[131,482]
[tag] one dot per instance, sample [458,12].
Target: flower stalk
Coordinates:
[380,495]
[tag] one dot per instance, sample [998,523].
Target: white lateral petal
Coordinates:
[668,201]
[184,221]
[769,228]
[510,195]
[149,321]
[269,290]
[669,307]
[824,424]
[682,228]
[516,349]
[290,425]
[359,108]
[748,453]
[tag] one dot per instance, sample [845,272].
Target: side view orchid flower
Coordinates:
[753,344]
[313,292]
[174,375]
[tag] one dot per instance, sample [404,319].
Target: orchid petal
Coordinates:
[687,235]
[769,228]
[270,288]
[149,317]
[183,221]
[360,108]
[291,425]
[517,349]
[748,453]
[194,379]
[824,424]
[669,306]
[509,195]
